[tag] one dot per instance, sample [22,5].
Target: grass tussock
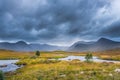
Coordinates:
[48,67]
[63,70]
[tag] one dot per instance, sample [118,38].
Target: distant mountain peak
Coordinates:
[23,46]
[104,40]
[21,42]
[99,45]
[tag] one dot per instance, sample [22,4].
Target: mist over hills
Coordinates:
[101,44]
[23,46]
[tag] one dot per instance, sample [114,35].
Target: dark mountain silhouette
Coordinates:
[101,44]
[23,46]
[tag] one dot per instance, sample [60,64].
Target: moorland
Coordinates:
[47,66]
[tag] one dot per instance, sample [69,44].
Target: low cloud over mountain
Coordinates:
[101,44]
[59,22]
[23,46]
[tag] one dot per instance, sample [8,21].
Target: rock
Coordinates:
[62,75]
[117,70]
[110,74]
[81,72]
[1,66]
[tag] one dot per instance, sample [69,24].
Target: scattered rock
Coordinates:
[117,70]
[110,74]
[63,75]
[1,66]
[81,72]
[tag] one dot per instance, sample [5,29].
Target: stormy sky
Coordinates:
[60,22]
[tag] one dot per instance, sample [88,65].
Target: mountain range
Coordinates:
[101,44]
[23,46]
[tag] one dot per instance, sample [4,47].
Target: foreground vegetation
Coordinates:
[66,70]
[1,76]
[46,66]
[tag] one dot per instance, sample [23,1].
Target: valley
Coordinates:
[48,66]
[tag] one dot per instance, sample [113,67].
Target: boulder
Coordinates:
[117,70]
[1,66]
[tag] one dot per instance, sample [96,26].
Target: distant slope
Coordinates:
[101,44]
[111,52]
[8,54]
[23,46]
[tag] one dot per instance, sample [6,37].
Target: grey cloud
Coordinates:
[112,31]
[47,20]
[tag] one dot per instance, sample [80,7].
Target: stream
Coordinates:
[8,65]
[82,58]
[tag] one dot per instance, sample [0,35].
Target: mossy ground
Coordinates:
[41,68]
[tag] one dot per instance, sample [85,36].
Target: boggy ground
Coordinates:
[66,70]
[41,68]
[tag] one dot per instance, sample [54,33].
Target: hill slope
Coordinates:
[101,44]
[23,46]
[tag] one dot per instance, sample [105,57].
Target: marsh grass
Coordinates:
[1,76]
[64,70]
[11,55]
[42,68]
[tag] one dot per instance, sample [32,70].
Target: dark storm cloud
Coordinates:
[112,31]
[53,20]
